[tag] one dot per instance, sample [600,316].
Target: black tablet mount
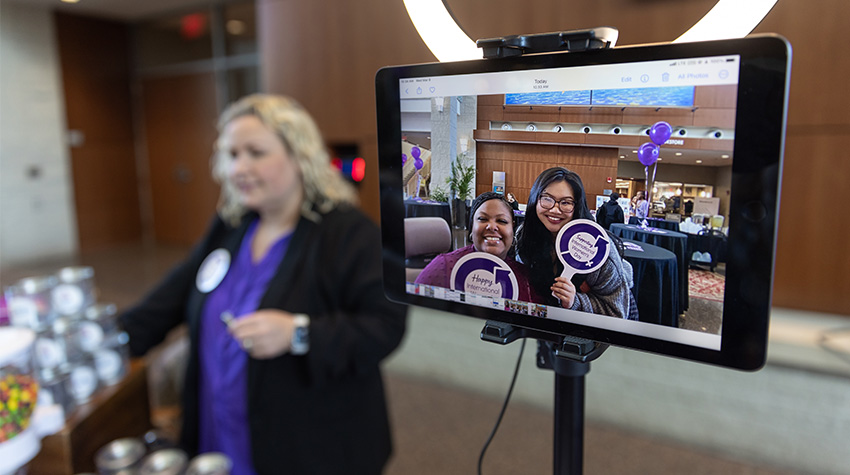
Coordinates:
[568,356]
[559,41]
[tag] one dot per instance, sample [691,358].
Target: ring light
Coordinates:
[728,19]
[448,42]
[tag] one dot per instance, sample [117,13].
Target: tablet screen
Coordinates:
[628,196]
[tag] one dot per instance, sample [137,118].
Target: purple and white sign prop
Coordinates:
[582,246]
[484,274]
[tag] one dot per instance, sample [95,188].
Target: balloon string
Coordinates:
[643,221]
[654,169]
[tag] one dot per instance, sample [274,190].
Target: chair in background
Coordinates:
[424,239]
[708,248]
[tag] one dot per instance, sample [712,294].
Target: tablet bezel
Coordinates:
[754,202]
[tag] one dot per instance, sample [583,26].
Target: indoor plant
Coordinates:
[461,186]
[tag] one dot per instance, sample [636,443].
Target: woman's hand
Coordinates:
[564,290]
[265,333]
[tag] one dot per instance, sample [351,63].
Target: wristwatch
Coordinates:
[300,335]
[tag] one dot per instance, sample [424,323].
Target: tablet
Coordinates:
[686,273]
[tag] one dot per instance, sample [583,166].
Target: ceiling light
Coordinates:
[70,1]
[634,151]
[699,161]
[678,154]
[724,156]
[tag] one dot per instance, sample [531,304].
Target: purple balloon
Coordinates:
[403,158]
[417,162]
[648,153]
[415,152]
[660,132]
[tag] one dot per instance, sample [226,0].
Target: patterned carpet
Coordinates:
[705,284]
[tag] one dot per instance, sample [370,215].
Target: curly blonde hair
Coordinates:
[324,186]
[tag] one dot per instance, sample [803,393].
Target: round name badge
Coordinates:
[213,270]
[582,246]
[481,273]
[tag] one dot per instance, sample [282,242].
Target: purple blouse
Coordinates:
[223,376]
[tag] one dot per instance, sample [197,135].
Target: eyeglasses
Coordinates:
[566,206]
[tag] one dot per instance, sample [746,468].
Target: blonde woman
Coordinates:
[285,307]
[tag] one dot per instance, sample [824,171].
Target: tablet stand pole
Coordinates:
[569,357]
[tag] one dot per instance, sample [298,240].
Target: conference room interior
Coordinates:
[677,254]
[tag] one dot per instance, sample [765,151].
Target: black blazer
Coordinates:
[323,412]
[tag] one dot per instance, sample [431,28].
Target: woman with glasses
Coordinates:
[556,198]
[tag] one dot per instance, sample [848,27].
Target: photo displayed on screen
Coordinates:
[597,195]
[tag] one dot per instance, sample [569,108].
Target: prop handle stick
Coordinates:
[568,273]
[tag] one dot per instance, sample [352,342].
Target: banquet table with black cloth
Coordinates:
[656,287]
[420,208]
[656,223]
[713,243]
[673,241]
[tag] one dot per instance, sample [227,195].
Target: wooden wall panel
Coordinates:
[811,268]
[812,262]
[523,162]
[96,80]
[716,97]
[325,53]
[180,120]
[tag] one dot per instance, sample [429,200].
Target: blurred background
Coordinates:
[107,119]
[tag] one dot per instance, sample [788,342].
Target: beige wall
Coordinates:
[37,219]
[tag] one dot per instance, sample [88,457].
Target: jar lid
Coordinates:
[210,463]
[119,454]
[15,343]
[164,462]
[101,310]
[34,285]
[75,274]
